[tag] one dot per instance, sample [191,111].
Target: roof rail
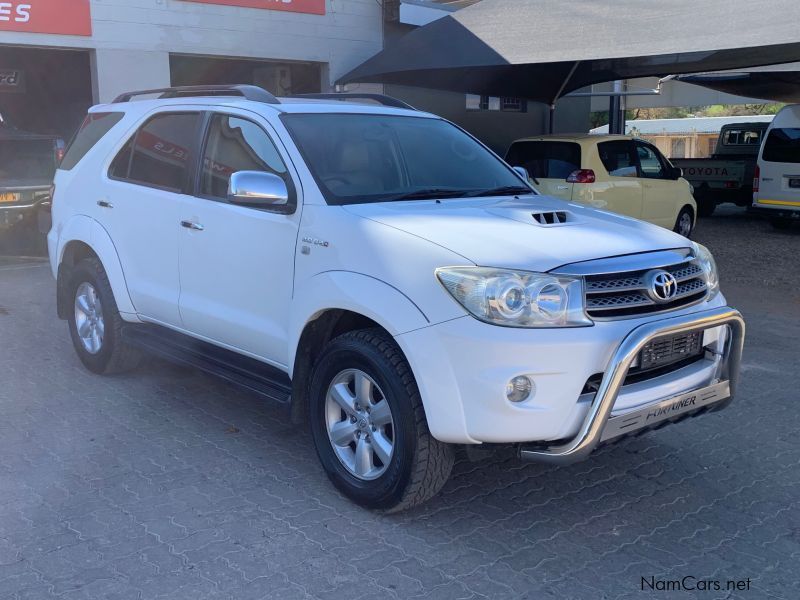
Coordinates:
[249,92]
[344,97]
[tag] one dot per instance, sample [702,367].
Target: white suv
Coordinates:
[385,273]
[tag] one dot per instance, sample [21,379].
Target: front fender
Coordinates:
[356,292]
[81,228]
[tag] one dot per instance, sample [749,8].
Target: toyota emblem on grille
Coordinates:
[661,285]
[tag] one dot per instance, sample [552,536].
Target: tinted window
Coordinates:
[162,151]
[122,161]
[741,137]
[782,145]
[555,160]
[357,158]
[94,127]
[233,145]
[618,158]
[650,162]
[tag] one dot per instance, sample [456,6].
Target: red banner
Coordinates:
[312,7]
[72,17]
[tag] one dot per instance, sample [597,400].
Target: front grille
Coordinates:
[611,295]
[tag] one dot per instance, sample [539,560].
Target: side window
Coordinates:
[94,127]
[236,144]
[160,154]
[650,162]
[618,158]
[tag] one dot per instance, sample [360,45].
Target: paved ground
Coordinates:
[168,483]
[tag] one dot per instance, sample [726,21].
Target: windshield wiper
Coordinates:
[430,194]
[506,190]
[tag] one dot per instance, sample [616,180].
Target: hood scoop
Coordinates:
[552,217]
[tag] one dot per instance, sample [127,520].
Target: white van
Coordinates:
[776,186]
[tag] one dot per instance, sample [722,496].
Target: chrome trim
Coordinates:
[631,262]
[591,431]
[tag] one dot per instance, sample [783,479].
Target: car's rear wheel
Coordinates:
[685,222]
[369,425]
[94,321]
[780,223]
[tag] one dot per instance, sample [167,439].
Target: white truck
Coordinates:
[386,274]
[727,175]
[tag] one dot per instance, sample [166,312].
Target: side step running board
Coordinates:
[247,372]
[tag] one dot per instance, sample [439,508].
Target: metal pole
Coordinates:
[551,127]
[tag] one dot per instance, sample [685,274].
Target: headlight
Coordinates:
[706,261]
[516,298]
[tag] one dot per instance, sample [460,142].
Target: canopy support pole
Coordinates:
[564,83]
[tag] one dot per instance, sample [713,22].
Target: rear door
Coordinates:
[660,191]
[549,163]
[780,169]
[140,209]
[617,187]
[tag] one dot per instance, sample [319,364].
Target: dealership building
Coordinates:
[58,57]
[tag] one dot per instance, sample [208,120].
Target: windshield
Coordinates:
[361,158]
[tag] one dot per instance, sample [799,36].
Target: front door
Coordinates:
[659,203]
[141,206]
[236,262]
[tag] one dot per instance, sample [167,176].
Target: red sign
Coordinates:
[312,7]
[70,17]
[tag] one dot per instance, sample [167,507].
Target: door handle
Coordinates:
[104,204]
[191,225]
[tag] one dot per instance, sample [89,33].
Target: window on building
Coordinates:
[512,104]
[678,148]
[476,102]
[233,145]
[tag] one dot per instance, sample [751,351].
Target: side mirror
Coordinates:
[522,172]
[677,173]
[257,189]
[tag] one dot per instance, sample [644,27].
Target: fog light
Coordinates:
[519,389]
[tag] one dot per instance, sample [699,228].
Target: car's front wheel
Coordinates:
[369,425]
[94,321]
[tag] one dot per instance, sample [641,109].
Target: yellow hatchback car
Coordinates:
[619,173]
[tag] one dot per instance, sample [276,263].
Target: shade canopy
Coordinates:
[543,49]
[780,83]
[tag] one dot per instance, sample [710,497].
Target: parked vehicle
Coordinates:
[384,273]
[727,175]
[614,172]
[27,166]
[776,185]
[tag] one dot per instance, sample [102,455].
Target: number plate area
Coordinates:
[794,182]
[667,350]
[7,197]
[668,409]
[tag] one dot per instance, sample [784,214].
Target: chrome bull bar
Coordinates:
[591,432]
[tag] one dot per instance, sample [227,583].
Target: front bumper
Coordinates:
[462,367]
[599,425]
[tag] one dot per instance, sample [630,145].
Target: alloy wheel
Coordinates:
[360,424]
[89,318]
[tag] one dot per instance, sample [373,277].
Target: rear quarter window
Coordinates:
[94,127]
[782,145]
[545,160]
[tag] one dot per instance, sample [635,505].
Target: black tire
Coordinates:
[420,465]
[780,223]
[686,213]
[705,207]
[114,356]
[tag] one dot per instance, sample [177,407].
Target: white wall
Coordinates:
[133,38]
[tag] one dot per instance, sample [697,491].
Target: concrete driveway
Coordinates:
[168,483]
